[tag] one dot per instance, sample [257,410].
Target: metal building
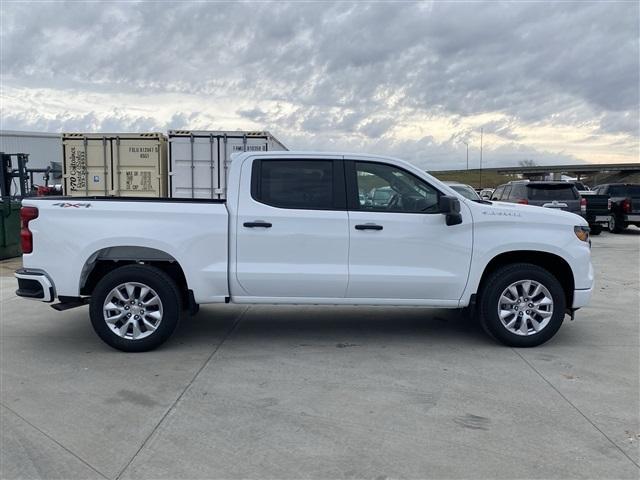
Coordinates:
[43,149]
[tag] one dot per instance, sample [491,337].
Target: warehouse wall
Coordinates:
[43,148]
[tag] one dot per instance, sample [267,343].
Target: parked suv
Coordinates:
[624,204]
[560,195]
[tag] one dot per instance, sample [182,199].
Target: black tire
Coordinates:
[615,224]
[165,288]
[492,289]
[596,229]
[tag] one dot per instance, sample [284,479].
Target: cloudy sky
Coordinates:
[549,82]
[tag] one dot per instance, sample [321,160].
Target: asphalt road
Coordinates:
[327,392]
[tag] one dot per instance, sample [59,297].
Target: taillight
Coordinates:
[583,205]
[609,204]
[523,201]
[26,239]
[626,206]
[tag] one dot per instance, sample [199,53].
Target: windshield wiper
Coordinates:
[483,201]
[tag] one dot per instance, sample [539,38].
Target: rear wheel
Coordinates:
[615,224]
[522,305]
[135,308]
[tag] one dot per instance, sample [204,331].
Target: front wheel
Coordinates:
[135,308]
[522,305]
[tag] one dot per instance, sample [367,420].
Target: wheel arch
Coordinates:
[107,259]
[554,264]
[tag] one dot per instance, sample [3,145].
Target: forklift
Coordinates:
[16,183]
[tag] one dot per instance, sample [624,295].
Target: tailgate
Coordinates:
[597,204]
[572,206]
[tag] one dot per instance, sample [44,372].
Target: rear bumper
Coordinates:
[581,297]
[632,218]
[35,285]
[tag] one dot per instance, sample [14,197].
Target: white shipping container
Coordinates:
[124,164]
[198,160]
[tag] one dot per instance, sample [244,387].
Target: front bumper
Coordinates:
[35,285]
[581,297]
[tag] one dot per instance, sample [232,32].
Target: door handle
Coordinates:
[257,223]
[369,226]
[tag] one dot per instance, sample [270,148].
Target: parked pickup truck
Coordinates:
[295,230]
[624,204]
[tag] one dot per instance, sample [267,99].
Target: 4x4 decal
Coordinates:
[71,205]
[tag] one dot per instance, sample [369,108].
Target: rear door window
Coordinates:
[299,184]
[543,192]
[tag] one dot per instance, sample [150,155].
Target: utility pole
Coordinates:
[481,131]
[467,144]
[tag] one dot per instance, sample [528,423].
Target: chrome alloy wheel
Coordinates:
[132,310]
[525,307]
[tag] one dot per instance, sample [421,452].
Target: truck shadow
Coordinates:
[336,325]
[631,231]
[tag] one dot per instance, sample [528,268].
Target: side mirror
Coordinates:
[450,207]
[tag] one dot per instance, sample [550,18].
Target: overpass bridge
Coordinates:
[591,173]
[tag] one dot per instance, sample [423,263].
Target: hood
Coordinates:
[524,213]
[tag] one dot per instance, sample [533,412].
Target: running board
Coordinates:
[67,303]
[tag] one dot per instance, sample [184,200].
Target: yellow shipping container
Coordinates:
[115,164]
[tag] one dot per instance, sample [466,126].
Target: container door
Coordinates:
[87,166]
[137,166]
[194,167]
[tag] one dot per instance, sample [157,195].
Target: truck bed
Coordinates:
[131,199]
[83,230]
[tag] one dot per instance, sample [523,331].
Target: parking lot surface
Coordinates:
[327,392]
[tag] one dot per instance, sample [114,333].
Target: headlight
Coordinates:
[582,233]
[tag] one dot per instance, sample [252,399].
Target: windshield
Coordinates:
[552,192]
[466,191]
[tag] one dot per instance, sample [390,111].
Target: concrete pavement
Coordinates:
[327,392]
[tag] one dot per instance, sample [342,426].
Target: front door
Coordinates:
[292,229]
[400,245]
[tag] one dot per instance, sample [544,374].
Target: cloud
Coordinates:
[410,79]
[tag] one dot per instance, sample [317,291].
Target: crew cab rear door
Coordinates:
[402,248]
[292,230]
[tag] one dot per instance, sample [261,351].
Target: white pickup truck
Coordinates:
[306,228]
